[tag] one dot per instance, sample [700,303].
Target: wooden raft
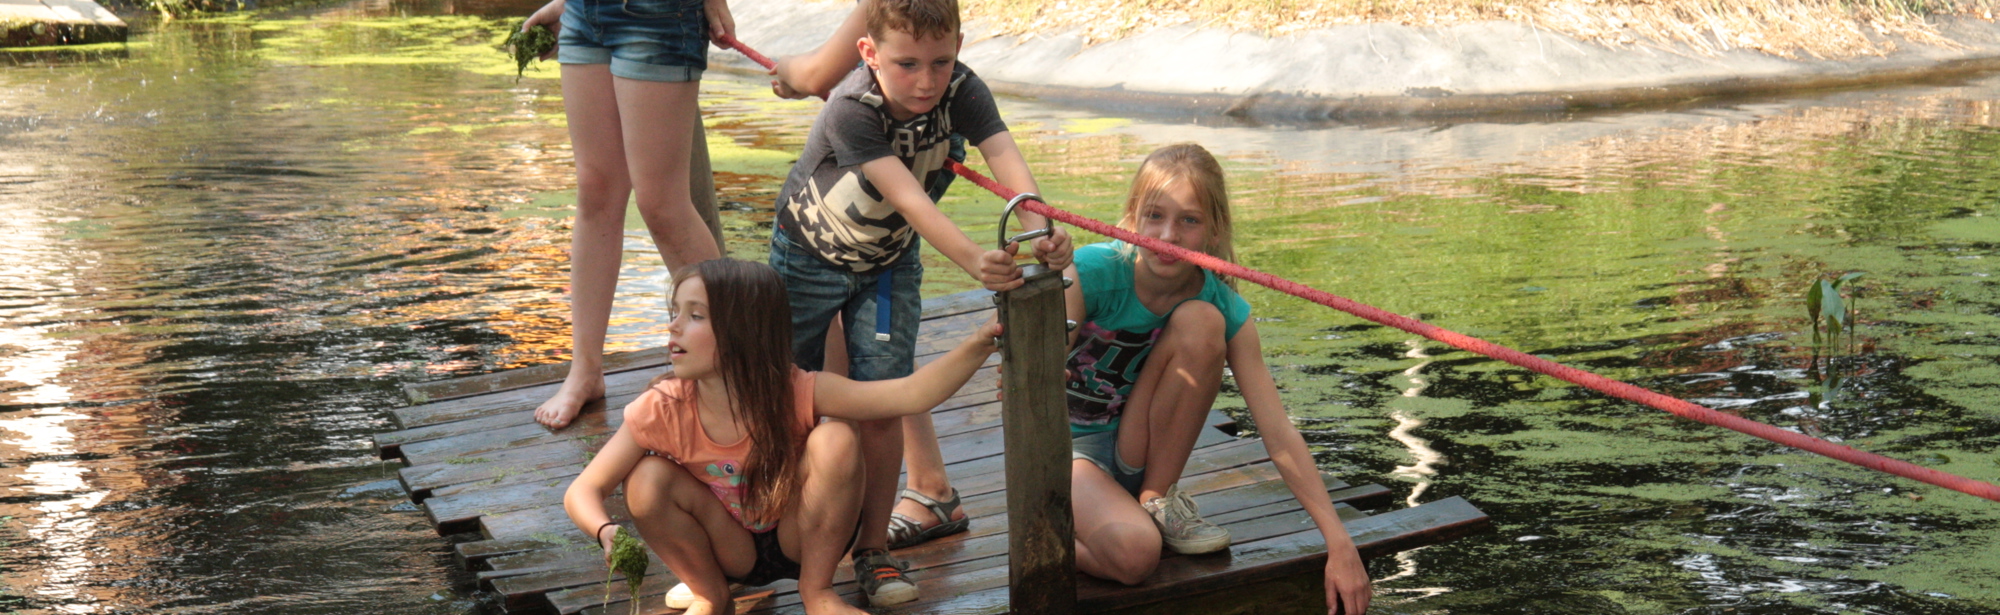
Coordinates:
[478,463]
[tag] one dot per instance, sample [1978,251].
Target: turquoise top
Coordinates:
[1118,333]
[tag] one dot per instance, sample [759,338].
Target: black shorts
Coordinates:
[772,564]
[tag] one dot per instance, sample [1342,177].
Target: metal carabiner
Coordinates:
[1029,270]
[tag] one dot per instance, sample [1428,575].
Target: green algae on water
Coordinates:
[628,557]
[528,44]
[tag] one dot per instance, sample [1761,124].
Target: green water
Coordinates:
[233,239]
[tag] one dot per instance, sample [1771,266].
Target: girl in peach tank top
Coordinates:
[737,466]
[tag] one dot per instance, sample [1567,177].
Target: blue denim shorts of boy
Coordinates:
[648,40]
[1101,449]
[819,290]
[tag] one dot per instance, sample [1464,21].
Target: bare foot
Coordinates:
[829,603]
[577,390]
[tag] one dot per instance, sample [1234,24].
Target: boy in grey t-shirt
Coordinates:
[847,245]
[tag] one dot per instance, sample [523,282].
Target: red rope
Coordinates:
[749,53]
[1614,388]
[1607,386]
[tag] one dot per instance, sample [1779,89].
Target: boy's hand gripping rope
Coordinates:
[1607,386]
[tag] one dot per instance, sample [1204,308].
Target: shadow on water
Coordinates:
[232,240]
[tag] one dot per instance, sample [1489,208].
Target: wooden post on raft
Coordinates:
[1041,545]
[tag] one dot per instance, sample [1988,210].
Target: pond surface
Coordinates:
[229,243]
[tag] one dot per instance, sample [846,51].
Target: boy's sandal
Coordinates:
[907,532]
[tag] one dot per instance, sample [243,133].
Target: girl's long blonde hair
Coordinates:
[1185,162]
[752,318]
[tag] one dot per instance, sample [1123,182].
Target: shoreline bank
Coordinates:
[1380,70]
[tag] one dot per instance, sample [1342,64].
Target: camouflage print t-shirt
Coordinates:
[828,207]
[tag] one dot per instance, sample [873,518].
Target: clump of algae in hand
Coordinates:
[527,45]
[628,557]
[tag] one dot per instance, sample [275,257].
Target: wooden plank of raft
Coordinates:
[520,422]
[439,419]
[524,377]
[439,390]
[412,417]
[939,568]
[982,508]
[1293,553]
[944,583]
[971,576]
[971,481]
[1299,552]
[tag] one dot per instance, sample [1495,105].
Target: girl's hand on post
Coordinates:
[721,25]
[1347,588]
[987,339]
[1054,250]
[997,270]
[549,16]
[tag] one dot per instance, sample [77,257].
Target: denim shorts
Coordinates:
[649,40]
[1101,448]
[819,290]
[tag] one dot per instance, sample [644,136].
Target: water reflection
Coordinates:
[233,242]
[40,474]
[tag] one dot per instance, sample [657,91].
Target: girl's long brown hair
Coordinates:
[752,319]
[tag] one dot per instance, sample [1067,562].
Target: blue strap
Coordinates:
[883,283]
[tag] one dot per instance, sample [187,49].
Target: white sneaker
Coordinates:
[1181,525]
[682,596]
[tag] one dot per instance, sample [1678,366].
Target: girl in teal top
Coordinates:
[1146,365]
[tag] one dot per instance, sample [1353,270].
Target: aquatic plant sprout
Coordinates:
[527,45]
[628,557]
[1828,310]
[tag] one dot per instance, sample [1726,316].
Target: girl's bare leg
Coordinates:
[597,238]
[1115,538]
[657,120]
[1163,417]
[816,533]
[690,530]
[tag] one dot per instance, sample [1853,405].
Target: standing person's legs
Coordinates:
[627,137]
[701,185]
[919,520]
[871,357]
[597,237]
[1163,416]
[658,119]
